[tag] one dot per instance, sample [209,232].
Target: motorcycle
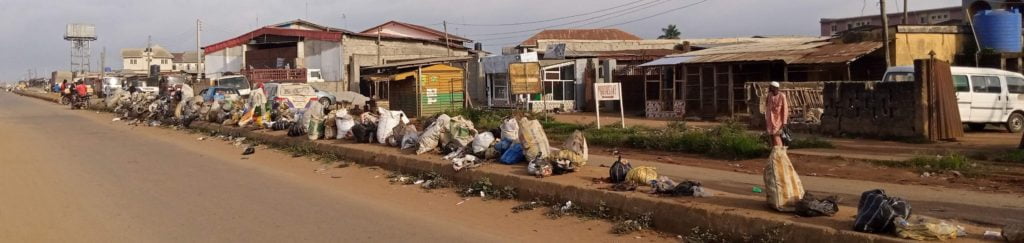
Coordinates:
[79,102]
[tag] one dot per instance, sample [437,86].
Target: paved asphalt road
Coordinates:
[75,176]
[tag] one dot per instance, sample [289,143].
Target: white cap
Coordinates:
[775,84]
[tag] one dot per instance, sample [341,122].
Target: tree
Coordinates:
[670,32]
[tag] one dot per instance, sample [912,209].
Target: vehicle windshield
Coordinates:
[898,77]
[235,82]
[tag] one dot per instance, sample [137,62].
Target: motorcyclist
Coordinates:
[81,91]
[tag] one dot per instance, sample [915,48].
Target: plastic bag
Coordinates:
[513,155]
[503,145]
[482,141]
[876,212]
[460,131]
[431,136]
[925,229]
[577,142]
[617,173]
[510,129]
[642,175]
[395,138]
[344,123]
[465,162]
[813,206]
[539,167]
[411,139]
[533,138]
[782,184]
[387,123]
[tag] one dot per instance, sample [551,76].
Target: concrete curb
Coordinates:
[668,215]
[44,97]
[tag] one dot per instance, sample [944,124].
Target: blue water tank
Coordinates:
[999,30]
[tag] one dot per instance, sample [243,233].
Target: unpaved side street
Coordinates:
[76,176]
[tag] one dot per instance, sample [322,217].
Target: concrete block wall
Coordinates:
[853,108]
[872,109]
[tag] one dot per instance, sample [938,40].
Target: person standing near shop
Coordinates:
[776,114]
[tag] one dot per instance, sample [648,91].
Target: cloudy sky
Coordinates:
[33,29]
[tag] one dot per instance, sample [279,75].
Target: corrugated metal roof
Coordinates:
[580,34]
[548,63]
[440,35]
[791,52]
[839,53]
[666,61]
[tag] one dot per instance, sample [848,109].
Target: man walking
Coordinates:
[776,114]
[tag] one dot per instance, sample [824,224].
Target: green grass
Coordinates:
[810,142]
[935,163]
[727,141]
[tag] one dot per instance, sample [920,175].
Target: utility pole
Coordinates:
[885,33]
[103,63]
[199,51]
[447,46]
[906,15]
[149,53]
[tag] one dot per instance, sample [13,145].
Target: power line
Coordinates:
[645,5]
[657,14]
[622,14]
[553,19]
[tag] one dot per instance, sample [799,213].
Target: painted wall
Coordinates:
[326,56]
[140,64]
[910,46]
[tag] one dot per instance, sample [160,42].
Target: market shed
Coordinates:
[711,83]
[420,90]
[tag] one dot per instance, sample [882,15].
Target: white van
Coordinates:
[984,95]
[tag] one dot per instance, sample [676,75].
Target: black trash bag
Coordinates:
[364,133]
[618,171]
[814,206]
[876,212]
[281,125]
[686,188]
[295,130]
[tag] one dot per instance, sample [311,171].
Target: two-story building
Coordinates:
[935,16]
[138,60]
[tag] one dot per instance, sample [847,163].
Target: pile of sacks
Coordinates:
[517,140]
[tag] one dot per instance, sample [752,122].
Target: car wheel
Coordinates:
[1015,123]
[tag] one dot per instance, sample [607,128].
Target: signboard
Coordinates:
[524,77]
[606,92]
[555,51]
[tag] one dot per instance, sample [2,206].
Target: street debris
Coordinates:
[249,150]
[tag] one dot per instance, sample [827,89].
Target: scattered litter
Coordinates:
[813,206]
[461,202]
[925,175]
[925,229]
[956,173]
[249,150]
[335,177]
[418,182]
[756,189]
[876,212]
[201,138]
[642,174]
[116,119]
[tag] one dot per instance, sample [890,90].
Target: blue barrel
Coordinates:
[999,30]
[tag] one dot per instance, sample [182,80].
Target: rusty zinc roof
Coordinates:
[839,53]
[580,34]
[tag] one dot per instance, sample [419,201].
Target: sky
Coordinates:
[33,33]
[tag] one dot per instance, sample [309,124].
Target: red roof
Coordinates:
[242,39]
[580,34]
[439,34]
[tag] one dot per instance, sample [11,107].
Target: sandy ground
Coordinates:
[75,176]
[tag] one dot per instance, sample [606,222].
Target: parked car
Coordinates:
[238,82]
[325,98]
[984,95]
[216,93]
[293,95]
